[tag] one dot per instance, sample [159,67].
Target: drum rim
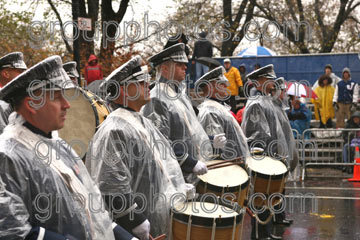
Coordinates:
[207,221]
[97,120]
[268,176]
[272,176]
[217,188]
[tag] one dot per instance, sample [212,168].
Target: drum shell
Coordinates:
[201,228]
[204,187]
[267,184]
[202,233]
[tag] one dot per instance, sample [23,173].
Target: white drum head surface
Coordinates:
[230,176]
[80,123]
[266,165]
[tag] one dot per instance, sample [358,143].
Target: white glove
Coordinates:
[190,191]
[219,140]
[142,231]
[200,168]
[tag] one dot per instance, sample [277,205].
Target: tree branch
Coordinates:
[319,20]
[241,11]
[68,47]
[291,10]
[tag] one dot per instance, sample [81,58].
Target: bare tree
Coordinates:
[237,33]
[311,27]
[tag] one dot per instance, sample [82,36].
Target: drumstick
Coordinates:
[223,165]
[226,161]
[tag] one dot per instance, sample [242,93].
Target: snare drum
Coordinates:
[231,179]
[268,176]
[87,111]
[205,221]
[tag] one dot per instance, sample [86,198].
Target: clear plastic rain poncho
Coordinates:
[266,126]
[5,111]
[52,182]
[13,216]
[129,156]
[281,106]
[215,119]
[171,111]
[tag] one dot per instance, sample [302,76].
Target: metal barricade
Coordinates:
[326,148]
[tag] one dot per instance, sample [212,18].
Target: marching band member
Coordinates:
[11,65]
[44,172]
[70,69]
[170,110]
[215,117]
[263,128]
[130,156]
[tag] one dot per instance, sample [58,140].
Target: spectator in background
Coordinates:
[233,75]
[202,48]
[178,39]
[323,108]
[345,98]
[299,116]
[242,70]
[93,70]
[328,71]
[257,66]
[350,139]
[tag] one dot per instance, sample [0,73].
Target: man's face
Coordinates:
[356,120]
[327,71]
[219,90]
[242,69]
[296,104]
[174,71]
[138,92]
[8,74]
[346,75]
[227,65]
[51,116]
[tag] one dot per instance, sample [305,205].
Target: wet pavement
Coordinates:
[330,209]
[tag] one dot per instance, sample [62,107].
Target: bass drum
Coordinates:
[87,111]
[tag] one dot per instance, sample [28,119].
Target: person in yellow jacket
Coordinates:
[323,104]
[233,75]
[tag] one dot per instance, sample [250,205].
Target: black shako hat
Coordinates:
[70,69]
[175,53]
[216,74]
[266,71]
[13,60]
[48,74]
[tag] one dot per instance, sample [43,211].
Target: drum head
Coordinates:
[266,165]
[80,123]
[230,176]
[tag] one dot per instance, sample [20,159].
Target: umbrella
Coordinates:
[210,62]
[256,52]
[300,90]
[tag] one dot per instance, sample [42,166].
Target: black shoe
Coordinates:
[272,236]
[286,222]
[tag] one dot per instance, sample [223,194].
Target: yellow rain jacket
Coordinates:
[234,78]
[323,103]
